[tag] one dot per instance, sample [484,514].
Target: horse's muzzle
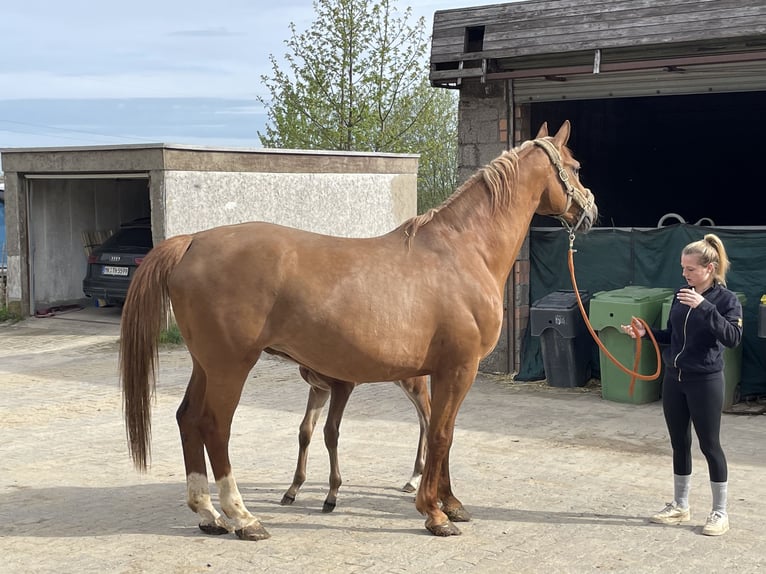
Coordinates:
[588,211]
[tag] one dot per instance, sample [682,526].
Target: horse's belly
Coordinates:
[357,357]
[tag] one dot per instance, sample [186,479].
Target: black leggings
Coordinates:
[698,401]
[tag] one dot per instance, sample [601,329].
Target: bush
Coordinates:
[171,335]
[7,315]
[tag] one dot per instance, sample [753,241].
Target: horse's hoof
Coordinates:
[287,500]
[458,514]
[447,529]
[252,531]
[328,506]
[214,529]
[413,483]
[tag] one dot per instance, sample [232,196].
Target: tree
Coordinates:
[356,80]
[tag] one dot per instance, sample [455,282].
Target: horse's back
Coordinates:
[323,300]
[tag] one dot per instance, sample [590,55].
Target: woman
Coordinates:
[704,318]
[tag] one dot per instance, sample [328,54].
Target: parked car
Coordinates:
[112,264]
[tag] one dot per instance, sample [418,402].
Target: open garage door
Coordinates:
[63,212]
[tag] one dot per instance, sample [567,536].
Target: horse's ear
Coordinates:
[543,131]
[562,137]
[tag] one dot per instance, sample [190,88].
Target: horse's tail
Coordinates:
[143,316]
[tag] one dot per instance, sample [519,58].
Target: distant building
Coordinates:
[58,198]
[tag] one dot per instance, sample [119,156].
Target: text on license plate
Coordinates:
[114,270]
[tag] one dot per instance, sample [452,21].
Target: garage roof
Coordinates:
[557,39]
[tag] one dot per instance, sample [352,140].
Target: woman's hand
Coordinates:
[689,297]
[636,329]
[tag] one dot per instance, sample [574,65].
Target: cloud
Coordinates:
[219,32]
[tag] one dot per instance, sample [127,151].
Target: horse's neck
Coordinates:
[492,235]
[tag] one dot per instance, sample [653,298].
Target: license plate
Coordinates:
[114,270]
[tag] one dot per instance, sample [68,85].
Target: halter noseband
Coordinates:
[584,200]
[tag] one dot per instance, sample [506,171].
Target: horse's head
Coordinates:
[564,196]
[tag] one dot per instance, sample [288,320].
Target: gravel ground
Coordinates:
[557,480]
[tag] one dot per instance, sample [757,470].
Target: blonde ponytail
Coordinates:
[710,249]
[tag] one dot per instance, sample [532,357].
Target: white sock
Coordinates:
[681,485]
[720,494]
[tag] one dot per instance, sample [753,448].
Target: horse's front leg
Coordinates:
[316,401]
[451,506]
[448,389]
[340,393]
[416,389]
[188,416]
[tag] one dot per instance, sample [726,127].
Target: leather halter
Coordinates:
[584,199]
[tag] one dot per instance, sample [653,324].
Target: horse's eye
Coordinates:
[576,171]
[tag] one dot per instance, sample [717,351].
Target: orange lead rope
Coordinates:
[637,320]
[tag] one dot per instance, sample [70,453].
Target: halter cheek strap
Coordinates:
[583,200]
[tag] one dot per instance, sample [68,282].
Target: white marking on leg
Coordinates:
[198,499]
[232,504]
[414,482]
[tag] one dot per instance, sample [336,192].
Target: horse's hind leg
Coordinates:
[188,416]
[416,389]
[317,398]
[340,392]
[223,394]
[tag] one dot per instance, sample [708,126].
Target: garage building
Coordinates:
[55,198]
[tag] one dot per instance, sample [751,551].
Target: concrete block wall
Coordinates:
[522,131]
[488,125]
[344,205]
[483,131]
[482,126]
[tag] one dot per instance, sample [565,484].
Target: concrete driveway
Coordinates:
[557,480]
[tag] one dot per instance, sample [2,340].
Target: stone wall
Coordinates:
[486,128]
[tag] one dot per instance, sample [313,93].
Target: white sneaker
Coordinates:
[716,524]
[671,514]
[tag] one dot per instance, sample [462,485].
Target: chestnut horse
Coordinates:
[322,388]
[423,299]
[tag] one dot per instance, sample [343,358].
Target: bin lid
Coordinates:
[616,307]
[559,311]
[634,294]
[562,299]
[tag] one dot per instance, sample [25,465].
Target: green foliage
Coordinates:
[357,80]
[6,315]
[171,335]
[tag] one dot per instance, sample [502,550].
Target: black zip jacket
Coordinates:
[697,337]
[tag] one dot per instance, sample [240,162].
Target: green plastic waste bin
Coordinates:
[609,310]
[732,358]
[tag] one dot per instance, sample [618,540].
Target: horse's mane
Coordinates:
[499,177]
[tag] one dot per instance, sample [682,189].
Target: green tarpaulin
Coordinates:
[607,259]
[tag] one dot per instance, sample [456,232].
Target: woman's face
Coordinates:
[696,275]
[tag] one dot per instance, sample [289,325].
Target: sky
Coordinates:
[79,72]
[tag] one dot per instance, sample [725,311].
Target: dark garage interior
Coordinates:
[699,156]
